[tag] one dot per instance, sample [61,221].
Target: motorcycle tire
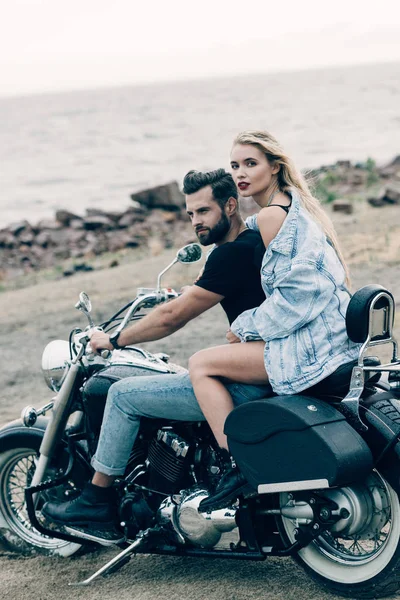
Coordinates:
[365,565]
[17,466]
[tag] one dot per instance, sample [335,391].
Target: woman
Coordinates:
[298,334]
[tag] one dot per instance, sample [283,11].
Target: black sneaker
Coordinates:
[90,515]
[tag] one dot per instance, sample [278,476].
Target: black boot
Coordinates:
[93,512]
[232,485]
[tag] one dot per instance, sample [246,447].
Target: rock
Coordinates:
[344,164]
[135,206]
[43,239]
[26,237]
[95,247]
[58,237]
[134,242]
[377,202]
[97,212]
[128,219]
[97,222]
[116,240]
[16,228]
[7,240]
[166,196]
[75,236]
[391,195]
[48,224]
[356,178]
[61,253]
[76,224]
[25,250]
[65,217]
[38,252]
[344,206]
[391,169]
[169,216]
[84,267]
[77,252]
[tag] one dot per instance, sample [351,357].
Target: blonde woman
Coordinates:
[296,339]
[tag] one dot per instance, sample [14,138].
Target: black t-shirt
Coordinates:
[233,271]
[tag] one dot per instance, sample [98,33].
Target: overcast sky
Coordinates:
[53,45]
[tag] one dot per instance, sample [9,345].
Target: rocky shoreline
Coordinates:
[154,214]
[157,216]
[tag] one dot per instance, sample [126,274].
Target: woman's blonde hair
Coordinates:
[290,177]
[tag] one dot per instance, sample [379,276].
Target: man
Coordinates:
[231,277]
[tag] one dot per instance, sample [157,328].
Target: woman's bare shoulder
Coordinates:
[270,219]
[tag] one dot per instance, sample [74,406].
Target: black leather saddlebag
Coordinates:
[295,442]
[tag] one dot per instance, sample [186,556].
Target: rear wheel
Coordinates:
[17,467]
[360,556]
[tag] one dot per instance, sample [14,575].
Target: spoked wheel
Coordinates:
[360,556]
[17,467]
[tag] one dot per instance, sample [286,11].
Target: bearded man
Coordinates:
[231,277]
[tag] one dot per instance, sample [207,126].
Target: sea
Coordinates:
[92,149]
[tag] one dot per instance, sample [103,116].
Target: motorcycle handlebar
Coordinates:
[150,297]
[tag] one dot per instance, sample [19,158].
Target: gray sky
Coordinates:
[48,45]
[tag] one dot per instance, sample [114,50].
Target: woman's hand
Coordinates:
[231,337]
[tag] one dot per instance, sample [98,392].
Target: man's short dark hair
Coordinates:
[222,184]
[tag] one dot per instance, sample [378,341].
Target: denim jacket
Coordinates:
[302,319]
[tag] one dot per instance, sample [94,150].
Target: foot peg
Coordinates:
[103,538]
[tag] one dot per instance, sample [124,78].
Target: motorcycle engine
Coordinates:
[169,466]
[216,529]
[167,461]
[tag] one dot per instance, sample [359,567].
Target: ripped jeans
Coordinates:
[161,396]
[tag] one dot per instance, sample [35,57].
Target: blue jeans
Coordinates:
[160,396]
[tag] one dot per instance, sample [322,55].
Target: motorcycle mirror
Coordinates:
[187,254]
[85,306]
[190,253]
[84,303]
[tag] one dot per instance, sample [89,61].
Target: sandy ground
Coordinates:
[31,317]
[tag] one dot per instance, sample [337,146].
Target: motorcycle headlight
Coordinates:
[55,360]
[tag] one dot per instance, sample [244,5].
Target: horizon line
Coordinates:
[189,79]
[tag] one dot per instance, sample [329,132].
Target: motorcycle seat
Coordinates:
[336,386]
[370,315]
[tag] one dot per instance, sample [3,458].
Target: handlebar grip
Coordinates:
[105,353]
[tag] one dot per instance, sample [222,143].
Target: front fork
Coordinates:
[58,419]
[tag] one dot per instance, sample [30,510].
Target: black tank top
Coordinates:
[285,208]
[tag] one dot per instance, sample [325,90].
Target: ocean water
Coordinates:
[93,148]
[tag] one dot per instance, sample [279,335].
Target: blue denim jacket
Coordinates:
[302,319]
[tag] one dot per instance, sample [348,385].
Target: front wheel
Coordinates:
[360,556]
[17,467]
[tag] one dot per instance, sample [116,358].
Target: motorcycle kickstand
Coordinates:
[118,561]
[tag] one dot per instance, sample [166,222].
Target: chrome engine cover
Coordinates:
[217,529]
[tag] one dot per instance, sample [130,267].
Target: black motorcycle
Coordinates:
[326,471]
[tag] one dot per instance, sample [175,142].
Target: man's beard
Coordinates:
[214,235]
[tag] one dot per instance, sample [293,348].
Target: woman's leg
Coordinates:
[243,363]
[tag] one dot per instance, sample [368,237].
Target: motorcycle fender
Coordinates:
[383,437]
[16,433]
